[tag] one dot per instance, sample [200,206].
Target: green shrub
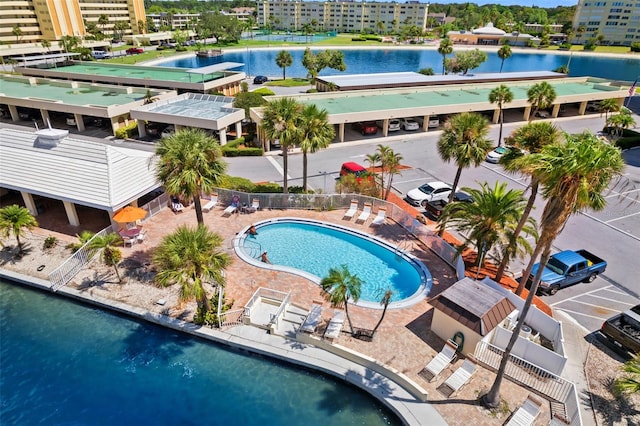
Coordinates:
[264,91]
[49,242]
[242,152]
[127,131]
[267,188]
[238,183]
[635,46]
[313,90]
[372,37]
[210,317]
[358,39]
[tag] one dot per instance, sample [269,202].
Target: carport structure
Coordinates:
[101,101]
[384,104]
[216,78]
[192,110]
[50,164]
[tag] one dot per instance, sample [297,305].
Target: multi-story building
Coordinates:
[618,21]
[345,16]
[174,21]
[32,21]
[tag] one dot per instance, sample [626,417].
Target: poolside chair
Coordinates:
[366,211]
[459,377]
[129,241]
[211,204]
[440,361]
[527,413]
[141,236]
[255,206]
[353,209]
[335,325]
[176,205]
[379,219]
[313,318]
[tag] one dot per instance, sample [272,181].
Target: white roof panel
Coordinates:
[80,171]
[223,66]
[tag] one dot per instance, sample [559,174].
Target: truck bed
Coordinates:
[590,257]
[624,330]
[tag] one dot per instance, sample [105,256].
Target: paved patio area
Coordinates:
[404,340]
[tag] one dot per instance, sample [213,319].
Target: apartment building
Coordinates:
[50,20]
[174,21]
[618,21]
[344,16]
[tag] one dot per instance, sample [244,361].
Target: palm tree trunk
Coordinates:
[384,311]
[19,243]
[346,311]
[501,65]
[285,166]
[198,206]
[284,73]
[501,122]
[455,184]
[386,195]
[492,398]
[115,267]
[304,171]
[523,220]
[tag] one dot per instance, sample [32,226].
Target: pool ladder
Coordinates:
[254,248]
[403,246]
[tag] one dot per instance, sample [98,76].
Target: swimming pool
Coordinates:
[310,248]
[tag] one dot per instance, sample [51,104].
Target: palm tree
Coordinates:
[190,163]
[501,95]
[280,122]
[573,176]
[103,21]
[445,48]
[373,160]
[149,98]
[530,138]
[389,164]
[15,219]
[488,220]
[190,257]
[17,32]
[340,286]
[284,60]
[607,106]
[46,44]
[621,121]
[464,140]
[110,255]
[629,383]
[540,96]
[504,53]
[385,300]
[316,133]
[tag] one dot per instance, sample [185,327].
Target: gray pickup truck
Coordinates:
[623,330]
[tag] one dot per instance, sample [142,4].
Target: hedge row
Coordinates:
[245,185]
[128,131]
[234,149]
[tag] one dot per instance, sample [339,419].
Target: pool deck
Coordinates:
[403,342]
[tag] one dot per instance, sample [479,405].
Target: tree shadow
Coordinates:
[98,279]
[614,410]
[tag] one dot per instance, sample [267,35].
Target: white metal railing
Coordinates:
[156,205]
[76,262]
[275,319]
[524,373]
[266,293]
[230,318]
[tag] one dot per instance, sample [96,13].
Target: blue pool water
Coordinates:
[68,364]
[315,249]
[364,61]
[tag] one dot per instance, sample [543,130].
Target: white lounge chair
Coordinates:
[366,211]
[353,209]
[460,376]
[527,413]
[380,217]
[440,361]
[335,325]
[313,318]
[211,204]
[177,207]
[231,208]
[255,205]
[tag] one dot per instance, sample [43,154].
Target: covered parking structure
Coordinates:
[192,110]
[216,78]
[22,97]
[425,102]
[48,166]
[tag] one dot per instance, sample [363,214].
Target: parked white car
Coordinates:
[495,155]
[409,124]
[394,125]
[431,191]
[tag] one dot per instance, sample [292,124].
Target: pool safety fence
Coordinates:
[68,269]
[156,205]
[326,202]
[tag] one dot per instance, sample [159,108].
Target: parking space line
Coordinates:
[622,217]
[580,295]
[611,300]
[592,305]
[583,314]
[615,290]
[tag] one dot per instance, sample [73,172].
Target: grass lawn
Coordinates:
[289,82]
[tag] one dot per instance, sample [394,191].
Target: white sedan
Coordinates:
[495,155]
[409,124]
[431,191]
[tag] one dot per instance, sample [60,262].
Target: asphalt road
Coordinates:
[613,234]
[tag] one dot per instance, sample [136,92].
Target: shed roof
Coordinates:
[475,305]
[79,171]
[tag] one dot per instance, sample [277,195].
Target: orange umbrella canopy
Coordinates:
[129,214]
